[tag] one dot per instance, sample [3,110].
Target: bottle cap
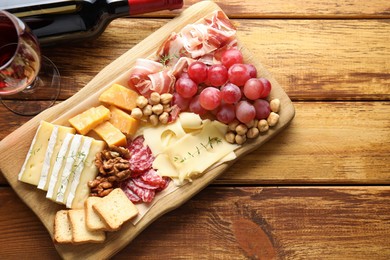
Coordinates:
[148,6]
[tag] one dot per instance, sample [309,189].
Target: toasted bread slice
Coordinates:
[115,209]
[80,233]
[62,227]
[93,220]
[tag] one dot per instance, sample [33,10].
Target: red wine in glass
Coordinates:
[29,82]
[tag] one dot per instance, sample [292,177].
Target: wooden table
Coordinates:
[318,190]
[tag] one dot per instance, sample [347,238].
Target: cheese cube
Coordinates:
[123,121]
[32,166]
[110,134]
[89,119]
[79,190]
[56,139]
[119,96]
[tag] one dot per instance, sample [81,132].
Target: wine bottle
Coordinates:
[68,21]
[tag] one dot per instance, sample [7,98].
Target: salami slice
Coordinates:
[146,195]
[129,193]
[141,157]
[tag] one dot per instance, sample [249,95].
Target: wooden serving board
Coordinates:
[14,147]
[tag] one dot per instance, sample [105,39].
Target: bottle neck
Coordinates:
[148,6]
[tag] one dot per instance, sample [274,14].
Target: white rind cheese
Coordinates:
[76,199]
[32,166]
[77,168]
[58,165]
[62,182]
[57,136]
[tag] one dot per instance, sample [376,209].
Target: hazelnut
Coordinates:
[147,111]
[230,137]
[275,105]
[157,109]
[232,125]
[141,101]
[166,98]
[136,113]
[240,139]
[167,108]
[153,120]
[154,98]
[252,123]
[272,119]
[253,133]
[241,129]
[163,118]
[263,126]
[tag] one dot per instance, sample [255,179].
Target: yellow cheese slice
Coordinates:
[195,152]
[80,191]
[56,139]
[110,134]
[164,166]
[90,119]
[32,166]
[190,121]
[119,96]
[160,137]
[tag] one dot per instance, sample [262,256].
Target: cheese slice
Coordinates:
[79,189]
[123,121]
[164,166]
[62,183]
[78,166]
[119,96]
[195,152]
[160,137]
[59,165]
[57,137]
[32,166]
[190,121]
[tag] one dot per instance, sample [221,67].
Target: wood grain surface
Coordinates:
[332,58]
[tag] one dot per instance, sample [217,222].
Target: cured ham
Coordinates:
[201,40]
[141,70]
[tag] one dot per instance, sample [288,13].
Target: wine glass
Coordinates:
[29,82]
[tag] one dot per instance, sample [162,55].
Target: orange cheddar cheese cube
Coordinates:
[123,121]
[110,134]
[119,96]
[89,119]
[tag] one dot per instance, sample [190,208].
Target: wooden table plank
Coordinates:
[237,223]
[327,143]
[349,59]
[296,9]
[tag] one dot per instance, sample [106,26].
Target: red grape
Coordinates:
[252,70]
[195,106]
[217,75]
[197,72]
[267,87]
[253,89]
[239,74]
[210,98]
[186,87]
[230,57]
[181,102]
[226,113]
[245,111]
[262,109]
[230,93]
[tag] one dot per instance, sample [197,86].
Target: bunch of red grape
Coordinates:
[228,90]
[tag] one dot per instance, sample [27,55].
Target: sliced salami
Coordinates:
[129,193]
[146,195]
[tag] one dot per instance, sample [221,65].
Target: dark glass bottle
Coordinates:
[68,21]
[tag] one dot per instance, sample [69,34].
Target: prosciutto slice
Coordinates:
[141,70]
